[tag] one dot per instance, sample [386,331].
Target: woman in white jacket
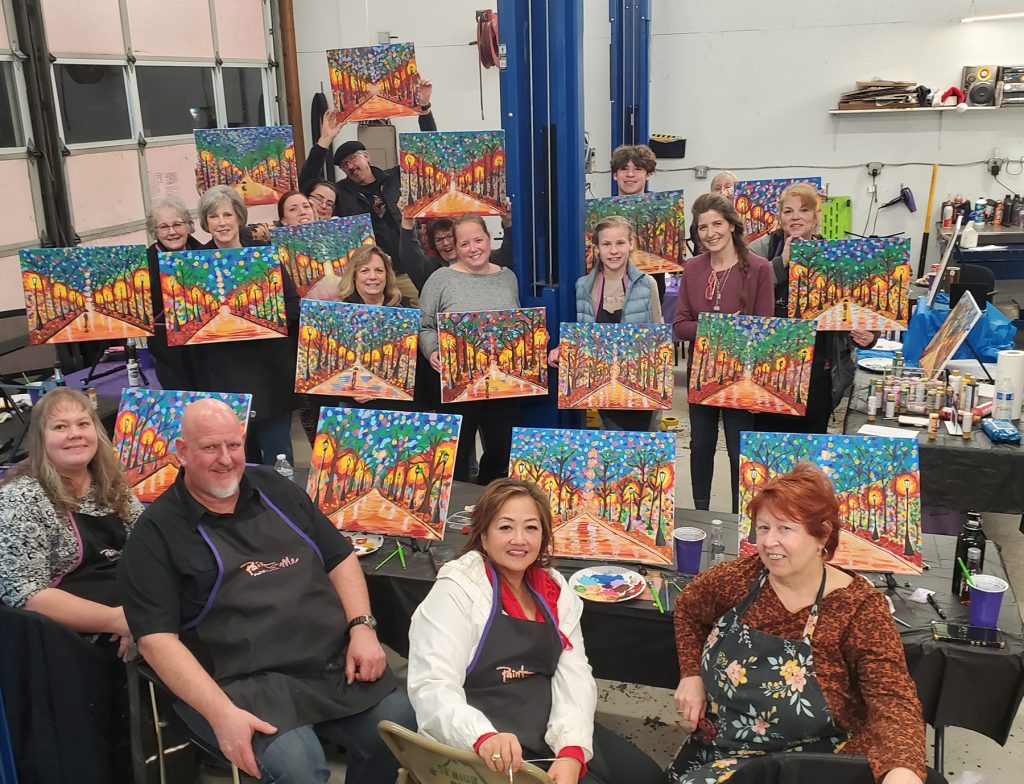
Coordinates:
[496,658]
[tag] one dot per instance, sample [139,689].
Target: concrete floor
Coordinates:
[647,715]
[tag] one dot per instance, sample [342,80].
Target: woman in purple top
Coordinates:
[726,278]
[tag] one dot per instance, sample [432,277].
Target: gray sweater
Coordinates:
[450,291]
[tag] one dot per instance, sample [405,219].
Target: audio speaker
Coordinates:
[980,84]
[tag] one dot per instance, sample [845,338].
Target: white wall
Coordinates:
[748,84]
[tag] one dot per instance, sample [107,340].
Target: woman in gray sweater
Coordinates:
[472,283]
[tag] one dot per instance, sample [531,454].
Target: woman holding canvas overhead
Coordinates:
[726,278]
[832,367]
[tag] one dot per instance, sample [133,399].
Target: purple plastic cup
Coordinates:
[689,544]
[986,599]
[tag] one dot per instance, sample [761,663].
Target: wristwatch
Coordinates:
[369,620]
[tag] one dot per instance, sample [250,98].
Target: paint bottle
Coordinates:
[973,563]
[967,419]
[134,376]
[872,403]
[890,406]
[94,398]
[970,537]
[933,425]
[897,364]
[955,382]
[947,214]
[968,393]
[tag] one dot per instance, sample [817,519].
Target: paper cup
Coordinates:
[689,544]
[986,599]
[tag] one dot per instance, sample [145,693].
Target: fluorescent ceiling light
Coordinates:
[993,17]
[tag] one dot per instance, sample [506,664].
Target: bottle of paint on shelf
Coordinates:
[872,402]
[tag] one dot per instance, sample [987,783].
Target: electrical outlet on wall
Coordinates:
[700,172]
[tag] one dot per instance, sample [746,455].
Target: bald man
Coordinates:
[253,610]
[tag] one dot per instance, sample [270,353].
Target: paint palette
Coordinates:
[364,544]
[607,584]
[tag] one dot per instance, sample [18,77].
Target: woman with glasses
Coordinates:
[323,196]
[170,224]
[726,278]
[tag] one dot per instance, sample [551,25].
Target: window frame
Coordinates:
[130,92]
[165,62]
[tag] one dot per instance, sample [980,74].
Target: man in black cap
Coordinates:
[365,188]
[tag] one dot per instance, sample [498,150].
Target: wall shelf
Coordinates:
[915,110]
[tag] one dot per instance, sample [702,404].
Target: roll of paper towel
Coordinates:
[1010,363]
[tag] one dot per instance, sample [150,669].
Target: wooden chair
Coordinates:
[425,761]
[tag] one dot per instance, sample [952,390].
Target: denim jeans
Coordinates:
[704,435]
[265,439]
[296,757]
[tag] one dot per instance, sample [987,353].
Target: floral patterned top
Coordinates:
[36,542]
[858,657]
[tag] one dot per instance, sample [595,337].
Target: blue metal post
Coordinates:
[542,114]
[630,71]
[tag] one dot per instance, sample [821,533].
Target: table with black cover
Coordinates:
[976,688]
[971,474]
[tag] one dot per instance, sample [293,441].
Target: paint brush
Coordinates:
[401,555]
[655,595]
[396,552]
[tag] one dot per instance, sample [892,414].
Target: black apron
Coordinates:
[273,633]
[509,679]
[763,697]
[101,539]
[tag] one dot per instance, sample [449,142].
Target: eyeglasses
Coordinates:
[323,202]
[439,238]
[177,226]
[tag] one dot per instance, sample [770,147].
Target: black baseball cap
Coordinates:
[346,150]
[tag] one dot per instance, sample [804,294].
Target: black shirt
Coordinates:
[167,570]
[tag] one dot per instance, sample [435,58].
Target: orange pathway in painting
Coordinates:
[367,383]
[859,554]
[255,193]
[849,315]
[614,394]
[457,203]
[227,326]
[496,384]
[376,513]
[742,395]
[651,264]
[588,536]
[375,108]
[101,327]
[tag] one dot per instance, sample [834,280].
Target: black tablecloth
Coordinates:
[965,474]
[976,688]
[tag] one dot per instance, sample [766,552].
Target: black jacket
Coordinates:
[172,362]
[420,265]
[263,368]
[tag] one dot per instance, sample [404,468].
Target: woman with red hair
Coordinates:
[781,651]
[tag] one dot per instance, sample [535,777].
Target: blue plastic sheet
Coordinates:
[993,332]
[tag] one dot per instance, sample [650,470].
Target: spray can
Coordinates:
[947,214]
[979,211]
[997,218]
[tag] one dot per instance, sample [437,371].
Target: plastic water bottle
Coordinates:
[1003,408]
[134,375]
[717,545]
[284,468]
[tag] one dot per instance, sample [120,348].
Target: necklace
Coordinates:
[714,289]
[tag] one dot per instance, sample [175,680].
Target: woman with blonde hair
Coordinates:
[832,368]
[65,513]
[615,291]
[369,279]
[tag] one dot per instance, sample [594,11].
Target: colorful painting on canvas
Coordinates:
[878,484]
[489,354]
[851,284]
[951,334]
[445,174]
[615,366]
[86,293]
[612,493]
[752,363]
[374,82]
[148,422]
[356,350]
[757,202]
[315,254]
[659,228]
[257,162]
[219,295]
[384,472]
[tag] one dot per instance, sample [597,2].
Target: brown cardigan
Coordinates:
[858,657]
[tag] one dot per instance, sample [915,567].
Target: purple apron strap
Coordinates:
[216,583]
[493,576]
[292,525]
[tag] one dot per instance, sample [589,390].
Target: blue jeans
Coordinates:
[265,439]
[296,757]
